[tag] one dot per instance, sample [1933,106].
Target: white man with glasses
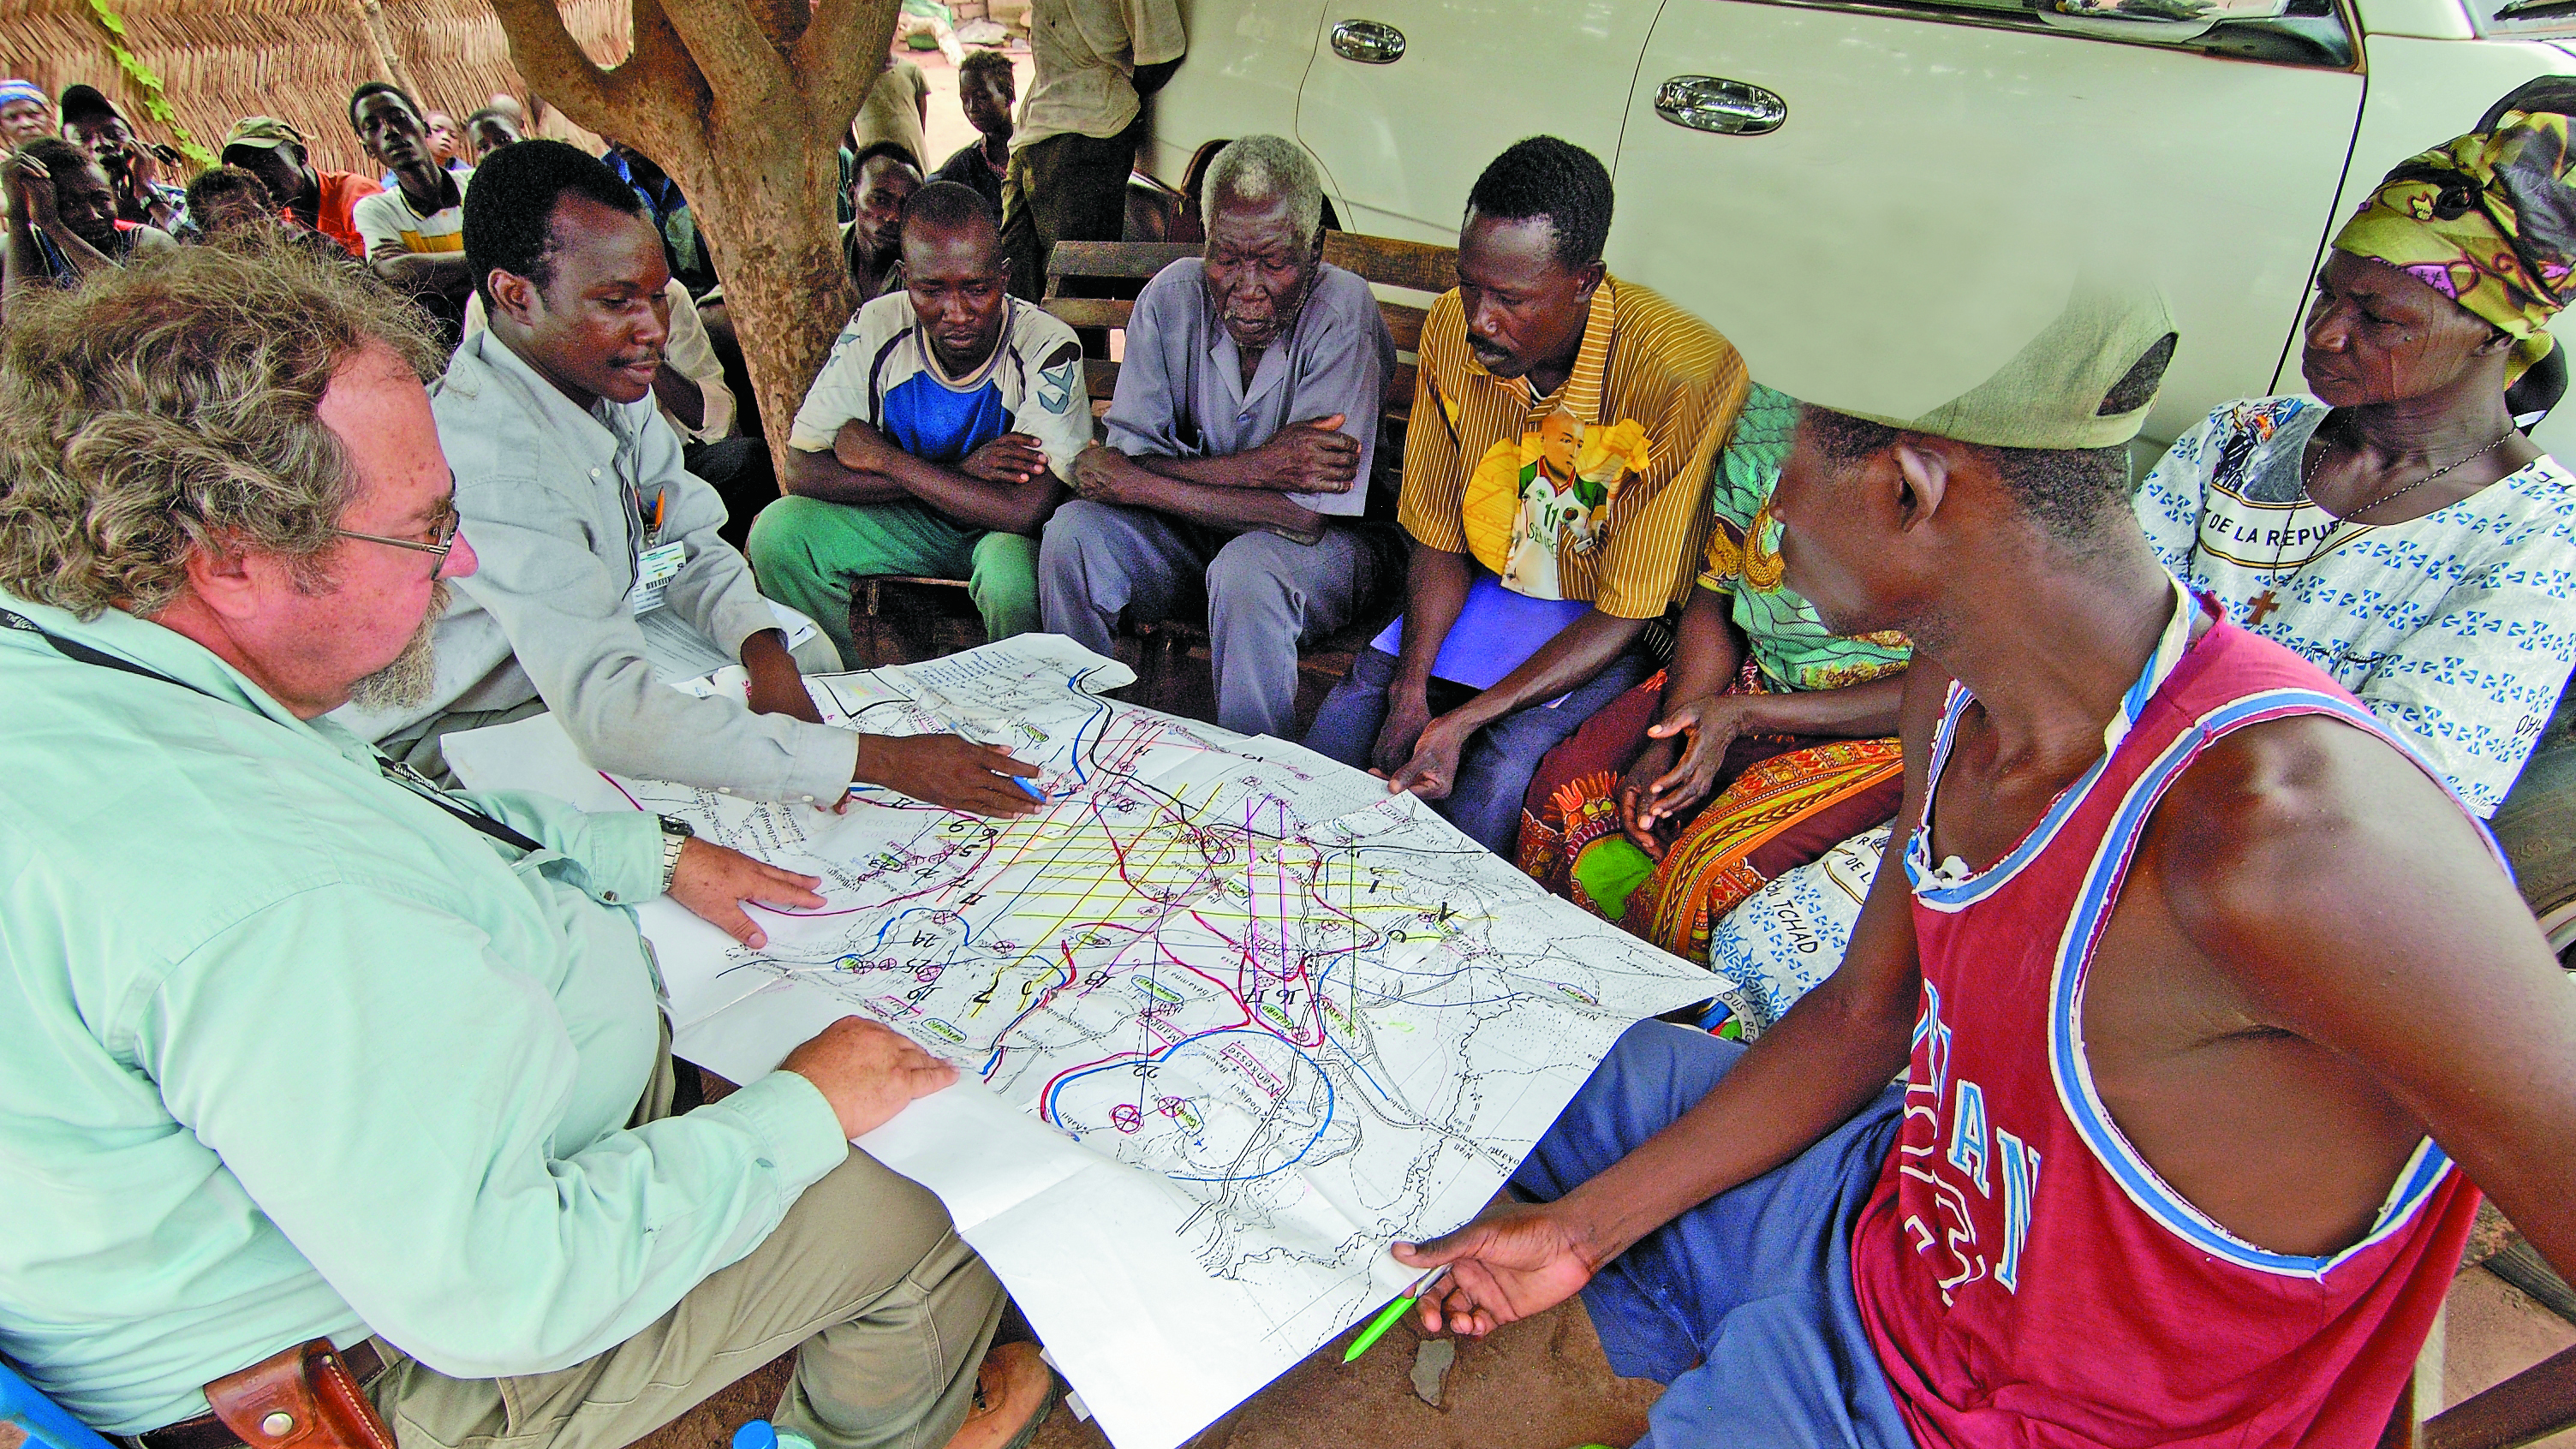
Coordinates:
[299,1049]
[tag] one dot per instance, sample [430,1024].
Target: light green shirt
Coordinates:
[286,1051]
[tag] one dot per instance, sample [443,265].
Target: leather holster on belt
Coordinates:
[303,1398]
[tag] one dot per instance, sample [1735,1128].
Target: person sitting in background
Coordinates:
[438,130]
[898,110]
[682,247]
[444,143]
[330,1054]
[938,437]
[325,201]
[2395,527]
[488,130]
[25,113]
[226,199]
[1239,446]
[1783,720]
[882,179]
[1555,476]
[229,202]
[2214,1010]
[62,218]
[415,232]
[134,168]
[596,543]
[986,90]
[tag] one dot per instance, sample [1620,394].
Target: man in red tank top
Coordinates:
[2211,1005]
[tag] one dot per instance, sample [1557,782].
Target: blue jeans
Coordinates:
[1742,1306]
[1494,770]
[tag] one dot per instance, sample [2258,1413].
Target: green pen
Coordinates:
[1388,1315]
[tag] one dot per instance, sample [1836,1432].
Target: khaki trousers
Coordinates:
[893,1311]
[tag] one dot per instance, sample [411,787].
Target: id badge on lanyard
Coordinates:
[655,564]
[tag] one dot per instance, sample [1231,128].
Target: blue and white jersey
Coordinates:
[883,373]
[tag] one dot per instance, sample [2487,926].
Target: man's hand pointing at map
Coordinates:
[1514,1260]
[949,771]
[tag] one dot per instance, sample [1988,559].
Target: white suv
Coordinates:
[1761,146]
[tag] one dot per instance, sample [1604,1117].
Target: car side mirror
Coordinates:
[2166,21]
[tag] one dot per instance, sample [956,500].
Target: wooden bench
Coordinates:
[2524,1409]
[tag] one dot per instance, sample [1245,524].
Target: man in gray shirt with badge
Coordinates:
[603,580]
[1239,446]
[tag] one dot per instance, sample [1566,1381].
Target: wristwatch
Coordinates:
[675,834]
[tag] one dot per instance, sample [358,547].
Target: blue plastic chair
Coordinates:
[39,1419]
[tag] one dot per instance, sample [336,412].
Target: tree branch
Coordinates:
[782,21]
[840,57]
[741,67]
[657,54]
[554,63]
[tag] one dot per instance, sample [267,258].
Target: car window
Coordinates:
[2311,33]
[2523,17]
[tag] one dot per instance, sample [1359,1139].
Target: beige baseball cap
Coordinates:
[261,133]
[2084,379]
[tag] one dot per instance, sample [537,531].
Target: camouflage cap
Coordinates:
[261,133]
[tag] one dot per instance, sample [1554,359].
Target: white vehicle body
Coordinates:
[2239,148]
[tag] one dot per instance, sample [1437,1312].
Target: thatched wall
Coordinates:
[297,59]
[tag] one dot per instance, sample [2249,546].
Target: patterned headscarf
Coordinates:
[2487,220]
[14,89]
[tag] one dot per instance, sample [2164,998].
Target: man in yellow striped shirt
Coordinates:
[1555,479]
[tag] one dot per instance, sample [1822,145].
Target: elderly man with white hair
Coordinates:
[1239,445]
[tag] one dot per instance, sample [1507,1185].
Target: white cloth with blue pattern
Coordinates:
[2457,629]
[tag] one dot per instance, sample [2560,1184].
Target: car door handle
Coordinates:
[1369,42]
[1728,107]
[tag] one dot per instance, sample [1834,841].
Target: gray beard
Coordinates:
[406,683]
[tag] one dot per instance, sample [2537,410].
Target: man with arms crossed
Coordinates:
[2185,1150]
[1239,445]
[415,232]
[304,1049]
[938,437]
[600,550]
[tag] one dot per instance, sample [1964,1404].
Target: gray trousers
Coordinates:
[1264,595]
[892,1309]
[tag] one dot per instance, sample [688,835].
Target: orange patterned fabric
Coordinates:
[1720,859]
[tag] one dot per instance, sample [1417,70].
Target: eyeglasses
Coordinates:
[445,541]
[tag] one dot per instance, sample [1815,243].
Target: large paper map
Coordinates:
[1241,1018]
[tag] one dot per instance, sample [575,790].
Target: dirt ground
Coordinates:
[1538,1384]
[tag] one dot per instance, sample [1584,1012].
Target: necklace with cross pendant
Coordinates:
[2260,607]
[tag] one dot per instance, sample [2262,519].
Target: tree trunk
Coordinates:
[769,222]
[744,103]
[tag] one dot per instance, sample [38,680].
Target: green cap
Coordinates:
[261,133]
[2085,380]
